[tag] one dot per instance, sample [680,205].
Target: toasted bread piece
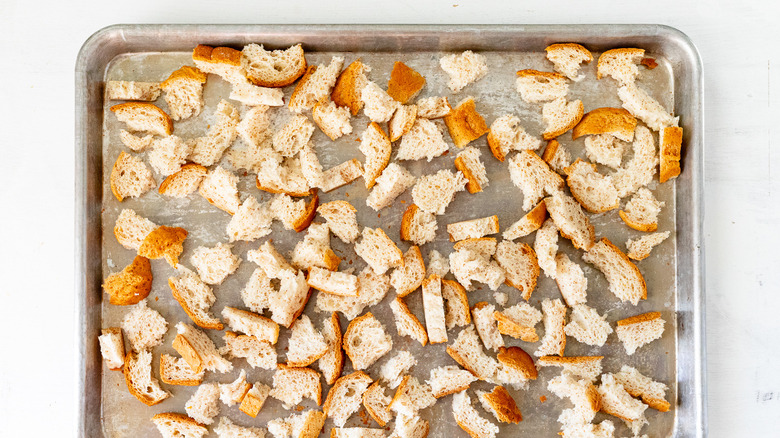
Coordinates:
[556,156]
[499,403]
[625,280]
[433,306]
[423,139]
[341,175]
[519,321]
[228,429]
[406,323]
[586,367]
[258,354]
[605,149]
[620,64]
[468,266]
[614,121]
[198,350]
[292,385]
[519,262]
[410,427]
[173,425]
[434,107]
[144,327]
[273,264]
[183,92]
[457,304]
[670,141]
[516,367]
[376,146]
[527,224]
[293,136]
[130,178]
[222,61]
[345,396]
[467,351]
[289,302]
[252,324]
[594,191]
[132,90]
[571,280]
[638,385]
[418,226]
[463,69]
[314,251]
[134,142]
[405,83]
[395,368]
[341,218]
[185,181]
[276,68]
[254,399]
[285,176]
[540,86]
[315,85]
[252,95]
[465,124]
[378,105]
[332,120]
[164,242]
[639,171]
[235,391]
[169,154]
[640,248]
[258,290]
[144,117]
[411,397]
[487,328]
[507,135]
[349,86]
[332,362]
[196,298]
[534,177]
[131,285]
[333,282]
[616,401]
[554,341]
[472,168]
[378,250]
[560,116]
[473,229]
[203,406]
[449,380]
[139,379]
[311,167]
[587,326]
[305,345]
[572,223]
[469,419]
[305,425]
[376,402]
[581,392]
[295,215]
[393,181]
[408,277]
[433,193]
[567,57]
[365,341]
[485,246]
[176,371]
[640,330]
[639,103]
[220,188]
[112,347]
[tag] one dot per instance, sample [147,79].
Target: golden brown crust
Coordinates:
[649,316]
[574,121]
[300,309]
[287,80]
[575,46]
[495,146]
[537,215]
[593,397]
[217,55]
[508,326]
[193,315]
[610,53]
[188,352]
[296,94]
[164,242]
[334,322]
[504,405]
[250,404]
[370,180]
[472,183]
[517,359]
[411,117]
[311,210]
[331,260]
[131,106]
[655,403]
[465,124]
[462,362]
[371,412]
[398,392]
[340,382]
[344,92]
[313,425]
[418,258]
[143,398]
[186,72]
[405,83]
[639,226]
[549,152]
[421,334]
[185,172]
[559,360]
[131,285]
[179,418]
[164,359]
[670,153]
[406,221]
[605,121]
[276,190]
[466,243]
[462,296]
[631,264]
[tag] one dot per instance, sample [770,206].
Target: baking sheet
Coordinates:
[122,415]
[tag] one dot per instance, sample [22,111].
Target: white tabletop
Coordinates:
[738,43]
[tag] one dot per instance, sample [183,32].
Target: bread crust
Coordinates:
[193,315]
[179,418]
[217,55]
[405,83]
[313,425]
[311,210]
[278,191]
[131,285]
[550,150]
[462,296]
[185,172]
[337,346]
[537,215]
[543,74]
[356,375]
[633,267]
[610,53]
[296,94]
[183,346]
[250,404]
[309,371]
[639,226]
[649,316]
[472,185]
[495,147]
[164,358]
[301,61]
[406,222]
[129,358]
[517,359]
[345,91]
[408,123]
[351,329]
[550,360]
[670,153]
[116,331]
[507,326]
[421,334]
[167,122]
[371,179]
[504,405]
[615,121]
[572,123]
[164,242]
[398,392]
[575,46]
[465,124]
[186,72]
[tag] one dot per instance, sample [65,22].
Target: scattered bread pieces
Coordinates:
[570,220]
[406,323]
[501,404]
[144,117]
[587,326]
[132,90]
[131,285]
[196,298]
[144,327]
[467,351]
[345,396]
[405,83]
[183,92]
[418,226]
[554,340]
[376,146]
[423,140]
[639,249]
[457,312]
[519,321]
[586,367]
[378,105]
[640,330]
[463,69]
[173,425]
[365,341]
[519,262]
[222,61]
[670,143]
[464,123]
[176,371]
[560,116]
[433,193]
[469,419]
[651,392]
[639,103]
[540,86]
[620,64]
[567,57]
[291,385]
[534,177]
[332,120]
[276,68]
[139,379]
[305,345]
[372,288]
[487,327]
[571,280]
[349,86]
[527,224]
[112,347]
[130,178]
[594,191]
[402,121]
[616,122]
[434,107]
[625,279]
[393,181]
[506,135]
[198,350]
[332,362]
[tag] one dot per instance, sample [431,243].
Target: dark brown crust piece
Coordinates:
[131,285]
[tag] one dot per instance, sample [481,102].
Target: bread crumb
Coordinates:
[649,63]
[542,399]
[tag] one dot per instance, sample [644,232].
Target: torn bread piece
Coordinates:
[457,312]
[464,123]
[291,385]
[619,403]
[176,371]
[357,432]
[196,298]
[139,379]
[639,171]
[620,64]
[515,367]
[208,150]
[616,122]
[305,345]
[307,424]
[587,326]
[254,399]
[449,380]
[639,249]
[394,370]
[257,292]
[372,288]
[131,285]
[235,391]
[252,324]
[571,280]
[639,103]
[332,362]
[203,406]
[586,367]
[268,258]
[473,169]
[311,167]
[467,351]
[349,86]
[546,248]
[519,321]
[411,397]
[570,220]
[406,323]
[252,95]
[378,250]
[251,221]
[469,419]
[220,188]
[169,154]
[144,117]
[418,226]
[582,394]
[640,330]
[222,61]
[130,178]
[625,279]
[605,149]
[112,347]
[468,266]
[594,191]
[556,156]
[378,106]
[402,121]
[463,69]
[295,215]
[333,282]
[486,325]
[275,68]
[173,425]
[185,181]
[288,303]
[670,143]
[410,275]
[315,85]
[341,218]
[198,350]
[501,404]
[527,224]
[376,146]
[258,354]
[393,181]
[433,193]
[560,116]
[228,429]
[134,142]
[641,211]
[423,140]
[651,392]
[506,135]
[293,136]
[365,341]
[433,307]
[345,396]
[333,120]
[278,175]
[183,92]
[554,341]
[410,427]
[376,402]
[540,86]
[485,246]
[255,128]
[144,327]
[405,83]
[518,260]
[314,251]
[437,264]
[567,57]
[132,90]
[534,177]
[434,107]
[216,263]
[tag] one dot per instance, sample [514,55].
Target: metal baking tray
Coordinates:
[675,274]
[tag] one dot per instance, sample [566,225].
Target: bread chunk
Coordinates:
[144,117]
[275,68]
[540,86]
[130,178]
[463,69]
[567,58]
[183,92]
[506,135]
[132,90]
[465,124]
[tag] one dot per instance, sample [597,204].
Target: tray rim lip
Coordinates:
[89,49]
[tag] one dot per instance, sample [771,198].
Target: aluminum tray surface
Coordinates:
[671,290]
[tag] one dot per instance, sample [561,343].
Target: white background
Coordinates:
[39,42]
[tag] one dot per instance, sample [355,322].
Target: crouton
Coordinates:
[625,280]
[276,68]
[465,124]
[567,57]
[507,135]
[463,69]
[405,83]
[540,86]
